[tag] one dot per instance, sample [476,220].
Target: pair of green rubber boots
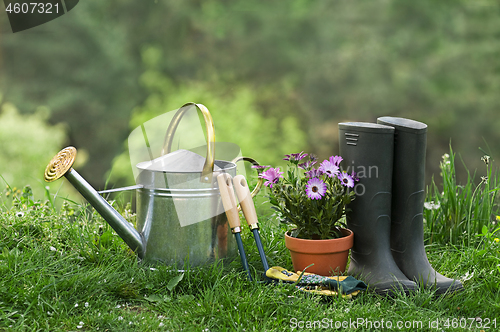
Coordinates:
[387,214]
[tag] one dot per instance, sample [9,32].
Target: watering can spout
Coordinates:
[60,166]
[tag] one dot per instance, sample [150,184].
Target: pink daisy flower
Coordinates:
[329,168]
[272,175]
[315,188]
[354,176]
[346,179]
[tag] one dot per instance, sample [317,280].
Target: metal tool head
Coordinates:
[60,164]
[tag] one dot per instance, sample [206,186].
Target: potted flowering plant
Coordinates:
[313,201]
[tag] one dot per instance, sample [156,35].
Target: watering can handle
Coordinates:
[257,188]
[208,167]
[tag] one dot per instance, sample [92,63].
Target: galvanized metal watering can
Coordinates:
[180,217]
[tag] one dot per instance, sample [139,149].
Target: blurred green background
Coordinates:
[277,77]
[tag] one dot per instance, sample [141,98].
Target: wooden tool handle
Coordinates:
[245,198]
[229,201]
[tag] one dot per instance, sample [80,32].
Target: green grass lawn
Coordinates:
[67,271]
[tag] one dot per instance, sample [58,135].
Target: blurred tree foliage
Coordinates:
[27,144]
[321,62]
[236,114]
[79,67]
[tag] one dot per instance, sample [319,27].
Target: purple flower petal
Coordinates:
[295,157]
[299,156]
[260,166]
[336,160]
[307,165]
[313,173]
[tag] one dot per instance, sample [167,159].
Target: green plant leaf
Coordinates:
[154,298]
[174,281]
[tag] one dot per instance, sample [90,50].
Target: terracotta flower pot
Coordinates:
[329,256]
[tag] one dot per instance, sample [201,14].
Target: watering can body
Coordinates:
[183,221]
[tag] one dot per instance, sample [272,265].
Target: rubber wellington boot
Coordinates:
[407,227]
[367,149]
